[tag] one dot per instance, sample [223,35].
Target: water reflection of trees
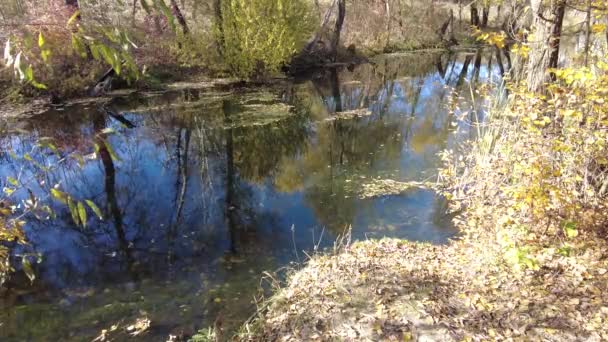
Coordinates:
[186,170]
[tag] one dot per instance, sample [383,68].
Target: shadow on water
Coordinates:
[204,191]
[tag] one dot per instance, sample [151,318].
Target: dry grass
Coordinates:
[396,290]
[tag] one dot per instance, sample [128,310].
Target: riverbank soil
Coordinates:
[397,290]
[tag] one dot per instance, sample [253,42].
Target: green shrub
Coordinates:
[259,36]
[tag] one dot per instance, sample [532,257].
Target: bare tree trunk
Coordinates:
[485,13]
[180,17]
[387,8]
[474,15]
[338,30]
[219,21]
[75,7]
[588,33]
[134,11]
[544,52]
[460,14]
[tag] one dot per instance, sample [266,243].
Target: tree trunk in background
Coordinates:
[180,17]
[219,21]
[75,7]
[387,8]
[338,30]
[474,15]
[588,32]
[134,11]
[485,13]
[544,52]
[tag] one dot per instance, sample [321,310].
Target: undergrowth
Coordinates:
[531,262]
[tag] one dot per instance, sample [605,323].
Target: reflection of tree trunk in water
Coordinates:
[499,62]
[230,208]
[477,67]
[389,96]
[464,71]
[452,61]
[490,61]
[335,89]
[110,190]
[181,184]
[440,69]
[417,97]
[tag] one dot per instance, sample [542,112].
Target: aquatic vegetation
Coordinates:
[386,187]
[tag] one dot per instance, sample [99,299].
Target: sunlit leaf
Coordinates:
[8,58]
[17,67]
[29,73]
[41,40]
[82,214]
[74,211]
[60,196]
[28,269]
[570,230]
[73,17]
[145,6]
[95,209]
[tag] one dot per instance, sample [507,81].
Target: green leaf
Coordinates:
[113,154]
[73,17]
[79,159]
[29,74]
[108,131]
[13,181]
[39,85]
[95,209]
[60,196]
[41,40]
[570,230]
[82,214]
[73,211]
[45,54]
[145,6]
[167,12]
[95,52]
[28,269]
[79,46]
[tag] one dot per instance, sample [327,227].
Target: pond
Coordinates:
[201,191]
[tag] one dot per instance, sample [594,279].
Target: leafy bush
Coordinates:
[537,177]
[261,35]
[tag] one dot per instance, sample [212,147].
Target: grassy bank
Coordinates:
[531,262]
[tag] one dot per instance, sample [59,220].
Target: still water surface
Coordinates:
[202,190]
